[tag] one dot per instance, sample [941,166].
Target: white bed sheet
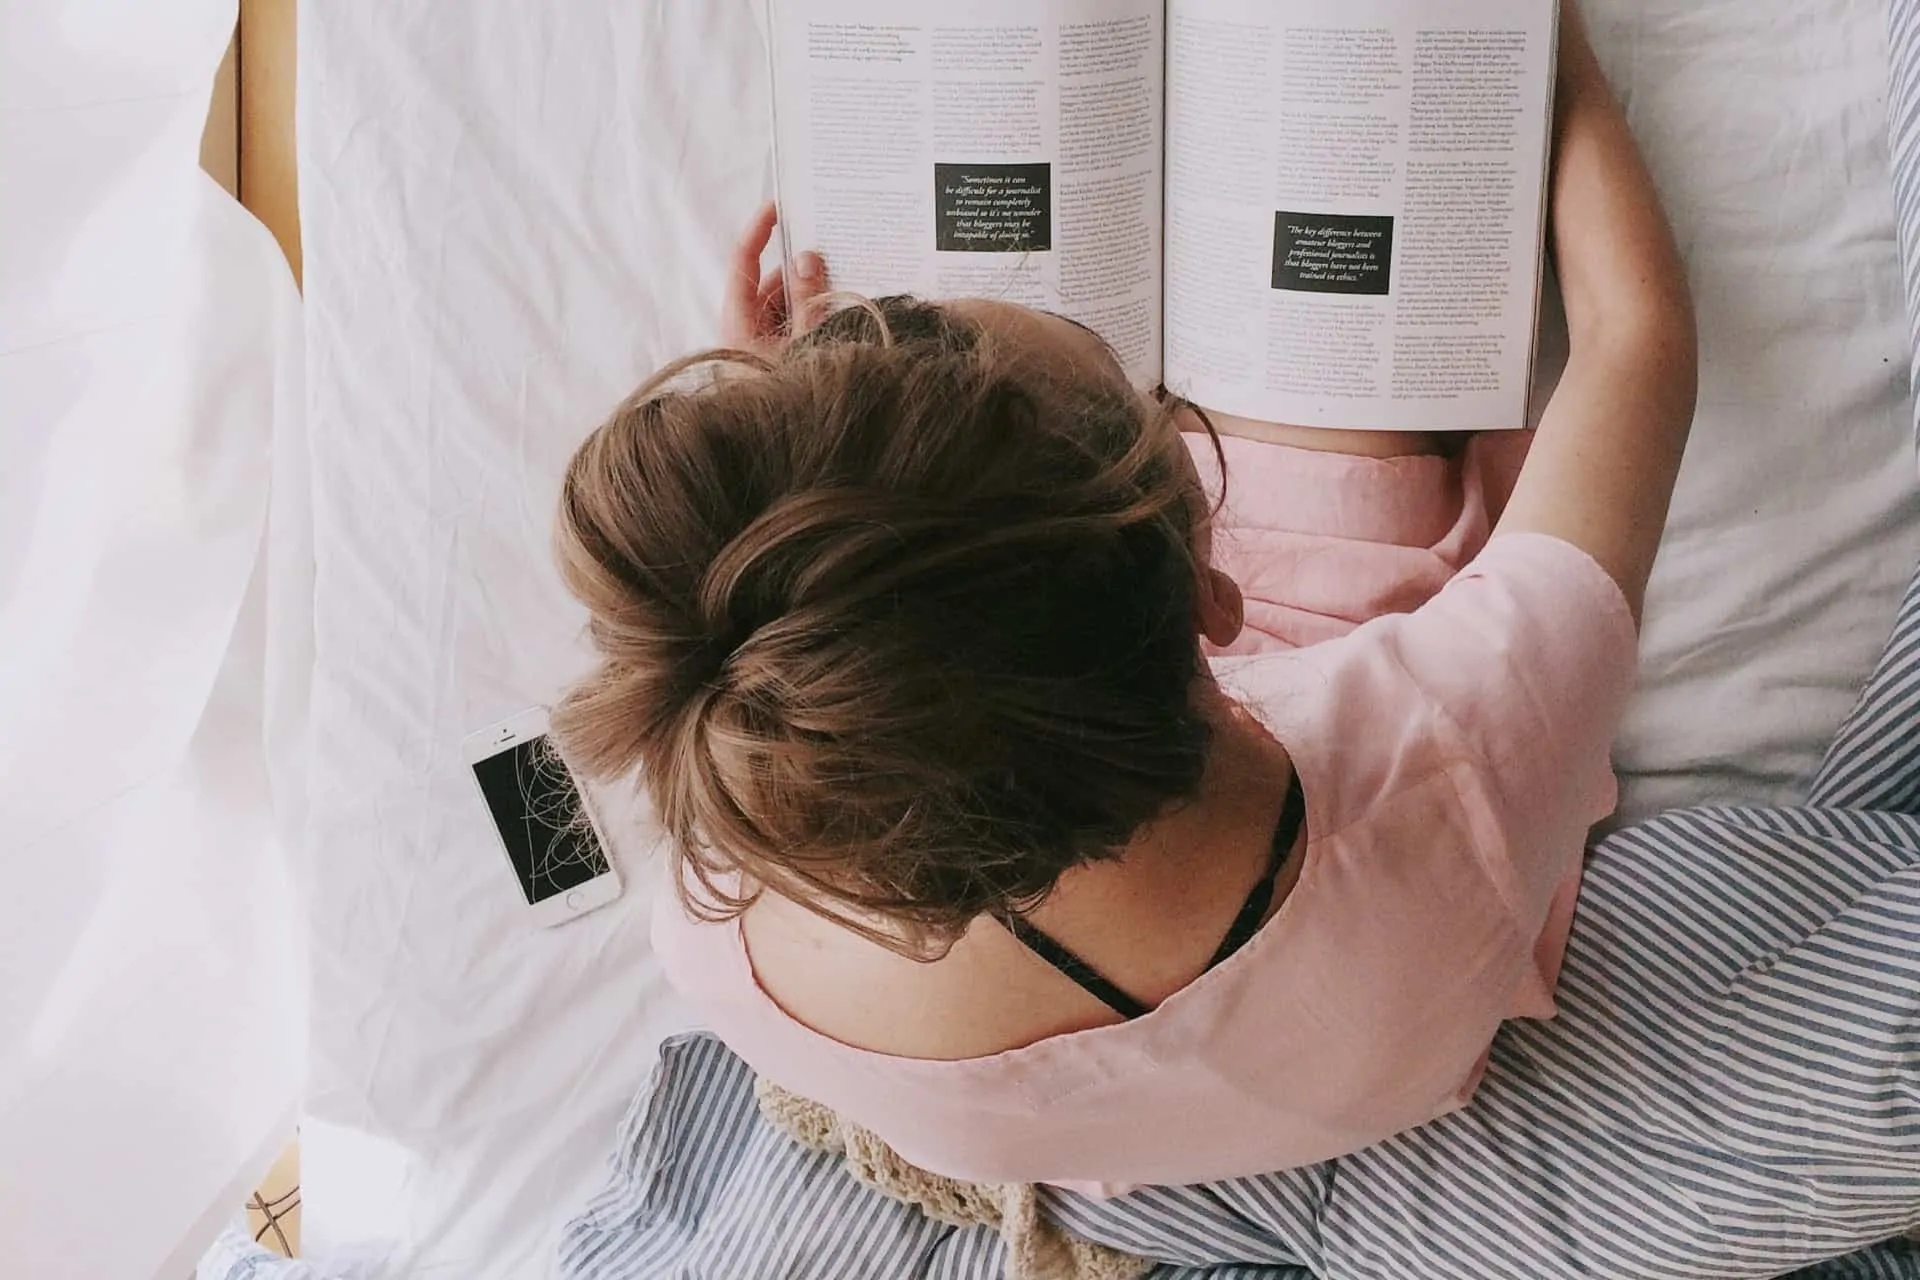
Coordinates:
[513,210]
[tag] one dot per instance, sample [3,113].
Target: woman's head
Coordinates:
[900,622]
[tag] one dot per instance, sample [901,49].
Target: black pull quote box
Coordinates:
[1332,253]
[993,208]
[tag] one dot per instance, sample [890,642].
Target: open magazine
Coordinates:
[1320,212]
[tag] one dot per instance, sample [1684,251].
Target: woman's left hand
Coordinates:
[754,316]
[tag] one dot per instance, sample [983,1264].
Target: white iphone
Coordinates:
[545,825]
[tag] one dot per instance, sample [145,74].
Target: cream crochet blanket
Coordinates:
[1037,1249]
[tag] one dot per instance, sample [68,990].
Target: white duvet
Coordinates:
[514,210]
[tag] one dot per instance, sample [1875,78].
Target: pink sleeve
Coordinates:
[1529,656]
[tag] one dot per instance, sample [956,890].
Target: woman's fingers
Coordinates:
[770,307]
[760,311]
[810,284]
[740,307]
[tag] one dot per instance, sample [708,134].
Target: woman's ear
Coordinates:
[1221,609]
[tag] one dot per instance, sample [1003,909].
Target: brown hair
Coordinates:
[895,623]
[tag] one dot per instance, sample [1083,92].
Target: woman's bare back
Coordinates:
[1148,922]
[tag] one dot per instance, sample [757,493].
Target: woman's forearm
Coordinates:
[1619,271]
[1602,466]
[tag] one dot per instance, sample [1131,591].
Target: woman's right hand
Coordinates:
[760,313]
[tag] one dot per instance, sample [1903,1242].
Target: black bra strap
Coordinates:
[1253,912]
[1089,979]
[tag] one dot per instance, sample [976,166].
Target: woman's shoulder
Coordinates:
[1530,608]
[1520,666]
[1529,653]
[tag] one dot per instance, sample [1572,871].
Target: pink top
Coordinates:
[1453,759]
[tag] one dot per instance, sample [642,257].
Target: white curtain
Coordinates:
[152,651]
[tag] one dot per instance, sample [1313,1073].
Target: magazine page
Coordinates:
[1355,207]
[1004,149]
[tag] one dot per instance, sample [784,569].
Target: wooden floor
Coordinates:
[273,1211]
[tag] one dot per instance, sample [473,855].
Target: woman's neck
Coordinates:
[1148,921]
[1186,865]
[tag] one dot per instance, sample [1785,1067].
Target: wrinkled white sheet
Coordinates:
[1797,518]
[151,1029]
[514,210]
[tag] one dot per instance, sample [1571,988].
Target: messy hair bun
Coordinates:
[896,624]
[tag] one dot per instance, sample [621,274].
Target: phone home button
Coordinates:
[575,899]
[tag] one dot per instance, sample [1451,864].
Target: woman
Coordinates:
[901,626]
